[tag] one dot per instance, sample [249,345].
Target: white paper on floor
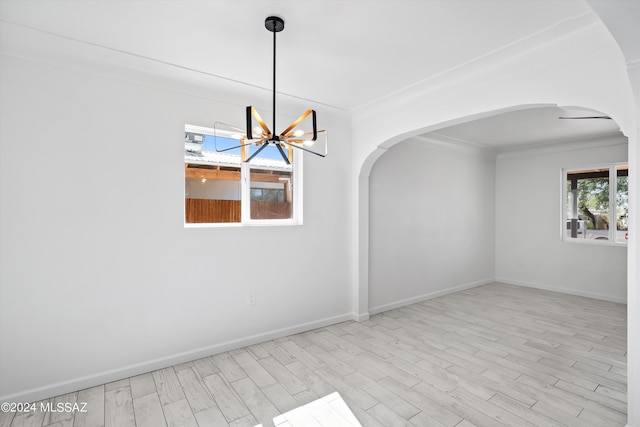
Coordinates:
[328,411]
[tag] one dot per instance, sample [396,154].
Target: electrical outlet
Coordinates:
[251,298]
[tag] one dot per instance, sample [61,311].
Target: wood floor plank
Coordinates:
[305,396]
[148,411]
[386,416]
[278,353]
[614,394]
[321,341]
[423,375]
[228,366]
[195,390]
[516,365]
[58,416]
[246,421]
[65,423]
[211,417]
[445,414]
[205,367]
[6,418]
[469,381]
[358,396]
[301,355]
[259,405]
[330,360]
[570,401]
[522,411]
[258,351]
[118,408]
[381,394]
[181,366]
[423,419]
[365,419]
[591,395]
[388,369]
[559,416]
[588,416]
[168,386]
[226,399]
[585,379]
[254,370]
[28,419]
[116,385]
[340,341]
[178,414]
[301,340]
[280,397]
[493,411]
[283,376]
[315,382]
[366,369]
[142,385]
[91,414]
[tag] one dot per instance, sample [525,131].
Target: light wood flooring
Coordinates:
[494,355]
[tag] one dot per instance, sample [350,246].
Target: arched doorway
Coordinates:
[478,201]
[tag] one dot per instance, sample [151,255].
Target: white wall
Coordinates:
[99,278]
[431,222]
[574,63]
[529,250]
[557,66]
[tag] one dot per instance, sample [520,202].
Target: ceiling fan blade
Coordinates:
[298,121]
[586,117]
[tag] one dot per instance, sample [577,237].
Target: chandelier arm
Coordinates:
[262,147]
[248,122]
[234,147]
[282,153]
[305,149]
[261,122]
[297,122]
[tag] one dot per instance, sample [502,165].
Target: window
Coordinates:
[596,204]
[221,189]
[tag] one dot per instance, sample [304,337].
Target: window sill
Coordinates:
[595,242]
[254,223]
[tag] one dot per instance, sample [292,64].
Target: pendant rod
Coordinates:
[275,24]
[274,86]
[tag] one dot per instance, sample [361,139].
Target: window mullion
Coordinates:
[245,196]
[613,209]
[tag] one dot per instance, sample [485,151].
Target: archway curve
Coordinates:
[363,284]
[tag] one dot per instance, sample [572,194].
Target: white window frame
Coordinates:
[613,211]
[245,195]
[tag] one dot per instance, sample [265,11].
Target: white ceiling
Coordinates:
[344,54]
[529,127]
[340,53]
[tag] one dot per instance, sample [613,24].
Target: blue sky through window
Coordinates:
[211,143]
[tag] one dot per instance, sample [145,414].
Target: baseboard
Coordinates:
[552,288]
[359,317]
[424,297]
[60,388]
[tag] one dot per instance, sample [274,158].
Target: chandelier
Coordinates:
[302,134]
